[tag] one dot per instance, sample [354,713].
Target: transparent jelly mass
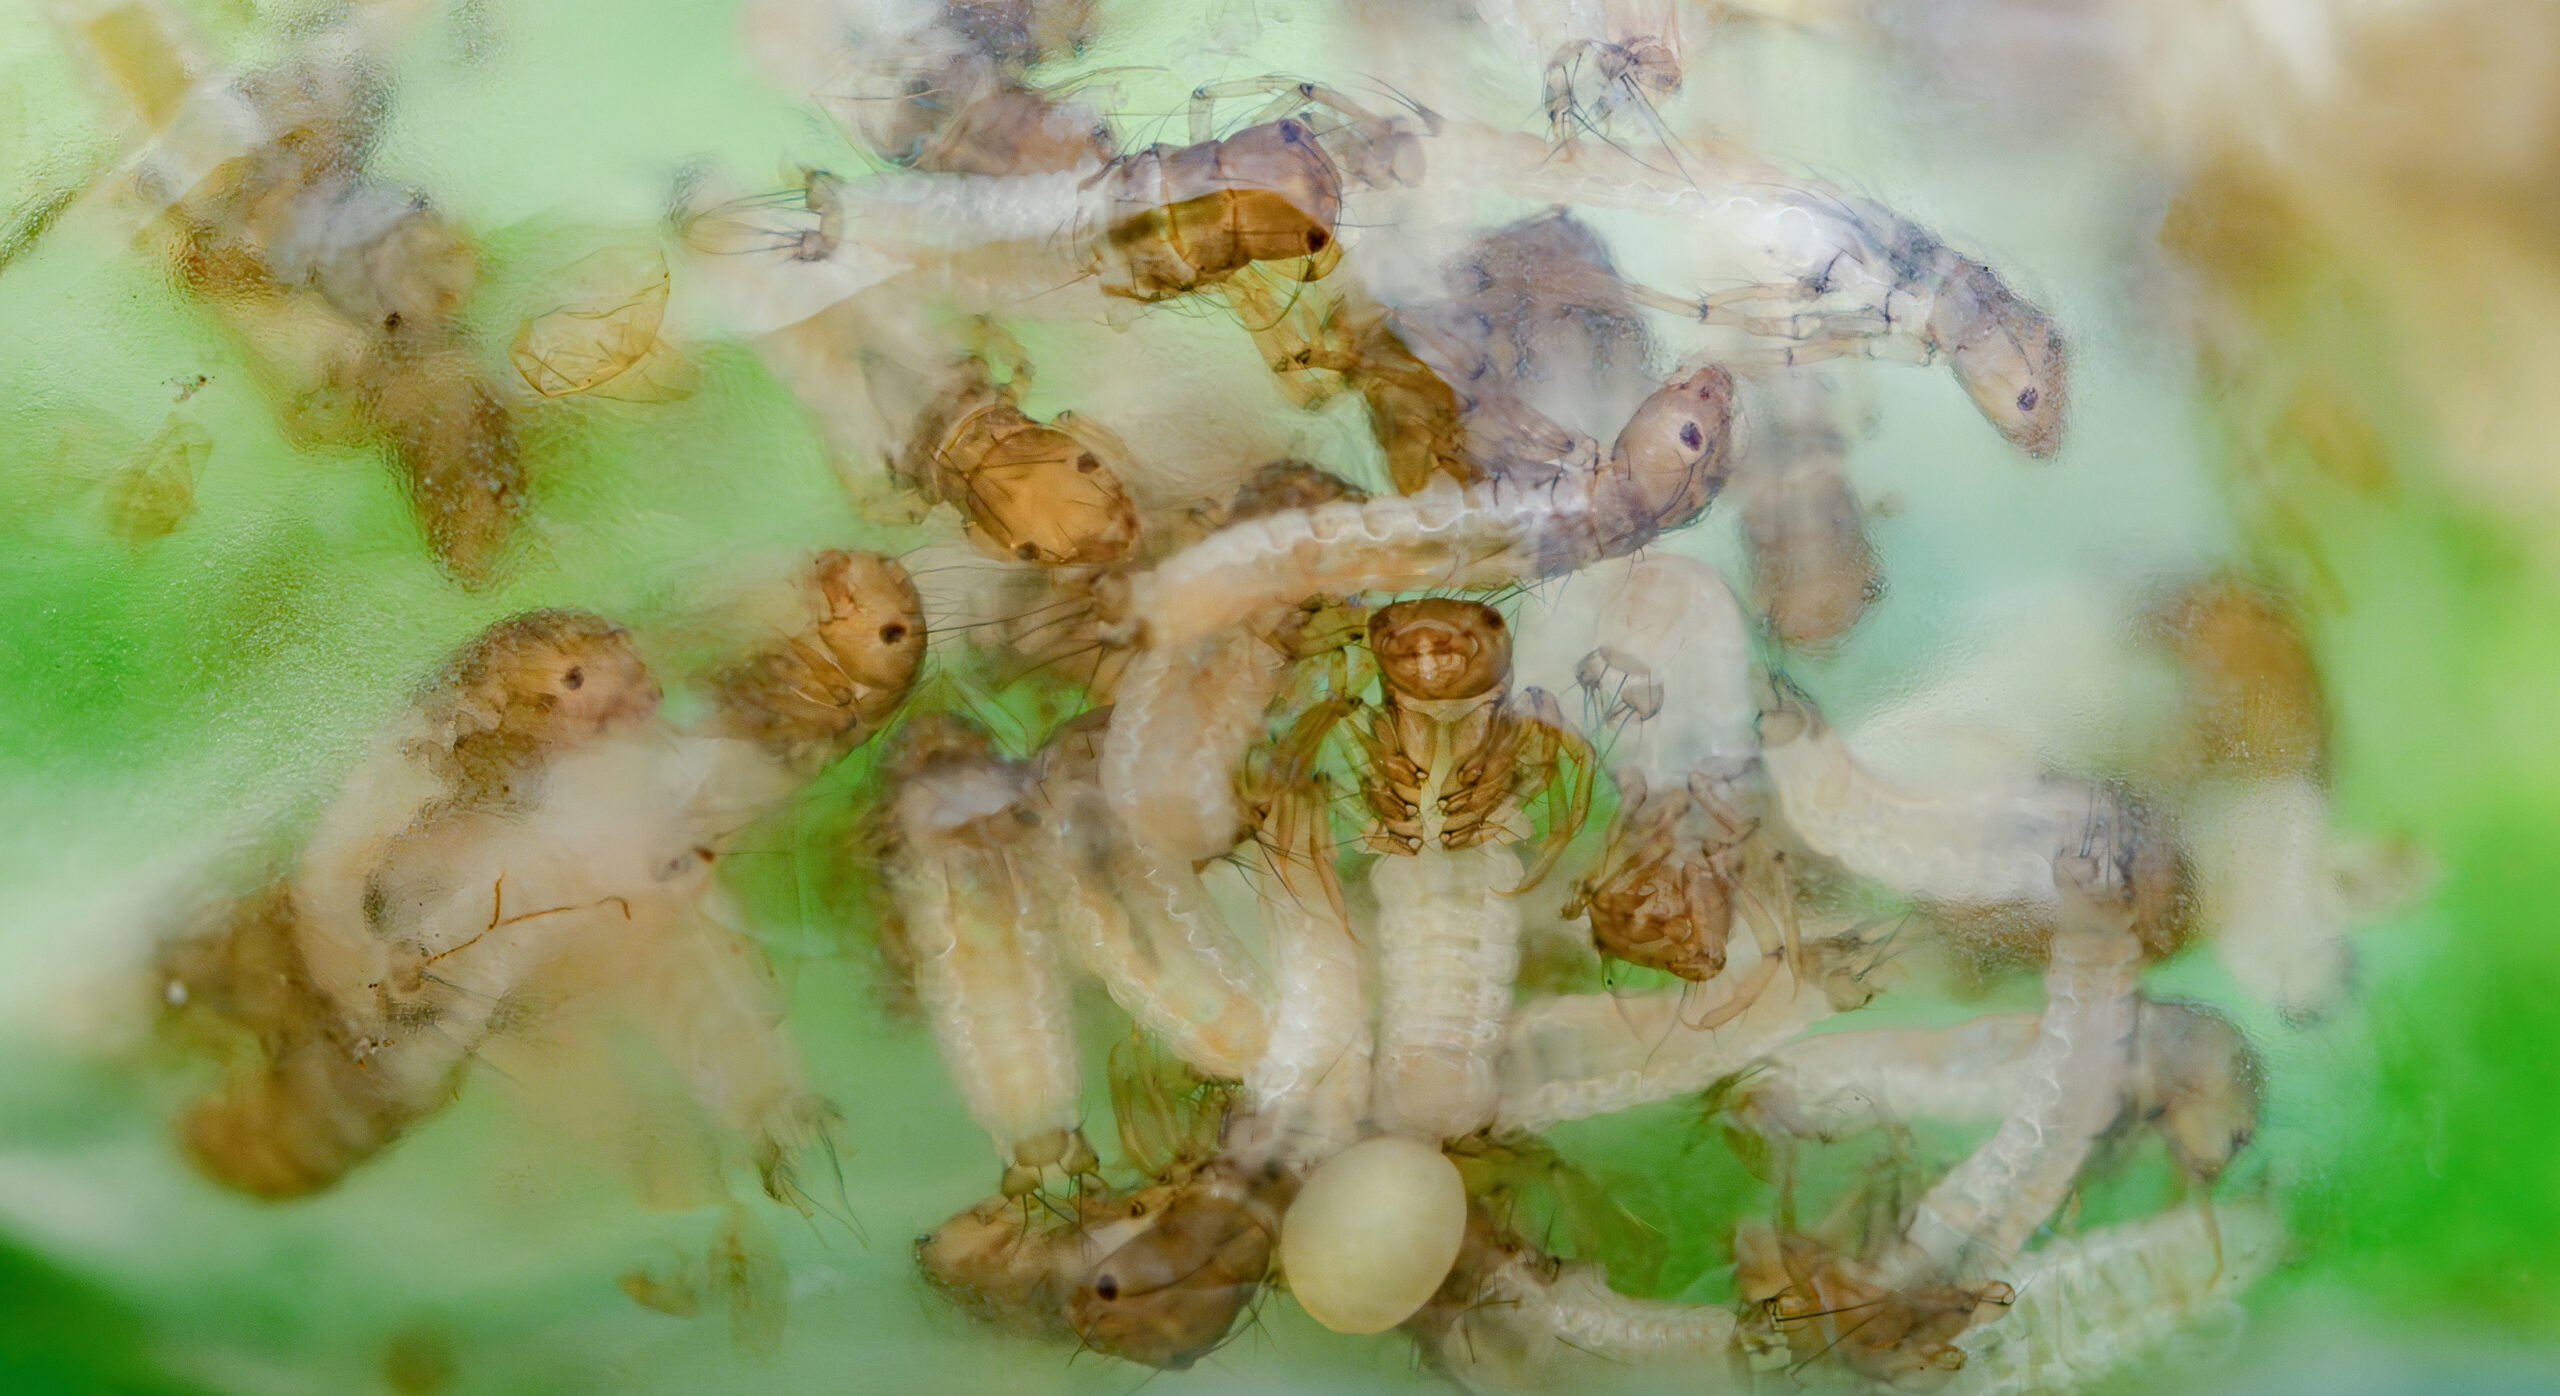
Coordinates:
[629,628]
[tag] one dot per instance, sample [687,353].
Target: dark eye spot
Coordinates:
[1107,1286]
[892,633]
[574,679]
[1292,132]
[2027,399]
[1317,238]
[391,322]
[1025,551]
[1691,437]
[1086,464]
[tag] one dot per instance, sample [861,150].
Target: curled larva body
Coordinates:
[1306,1095]
[1665,470]
[1977,1217]
[1144,925]
[1580,1055]
[2090,1305]
[1182,718]
[986,962]
[1448,951]
[1984,845]
[1373,1233]
[1512,1318]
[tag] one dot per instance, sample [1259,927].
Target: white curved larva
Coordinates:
[1534,1324]
[1448,951]
[1308,1091]
[1373,1233]
[1184,718]
[1977,1217]
[1164,955]
[1835,1084]
[1978,844]
[2090,1305]
[1580,1055]
[1489,534]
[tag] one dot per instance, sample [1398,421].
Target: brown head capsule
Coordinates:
[1441,648]
[1037,491]
[1168,1295]
[2195,1079]
[2005,352]
[1669,461]
[1662,896]
[818,694]
[526,688]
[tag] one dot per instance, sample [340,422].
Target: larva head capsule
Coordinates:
[1188,217]
[527,688]
[1670,460]
[2006,353]
[1168,1296]
[1441,648]
[1040,492]
[818,693]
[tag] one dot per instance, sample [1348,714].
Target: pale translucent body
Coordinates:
[1484,535]
[2090,1305]
[1448,951]
[1976,1218]
[2271,893]
[1984,843]
[1166,956]
[1534,1324]
[1373,1233]
[987,971]
[1834,1084]
[1309,1091]
[1185,715]
[1578,1055]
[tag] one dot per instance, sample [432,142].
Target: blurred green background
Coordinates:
[176,707]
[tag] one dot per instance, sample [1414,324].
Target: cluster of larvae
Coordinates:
[1355,768]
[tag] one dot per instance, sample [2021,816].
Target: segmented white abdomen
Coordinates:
[2271,893]
[1980,844]
[2089,1305]
[1311,1086]
[1166,957]
[1979,1215]
[1831,1085]
[1184,718]
[1578,1055]
[1579,1310]
[1483,535]
[988,977]
[1448,951]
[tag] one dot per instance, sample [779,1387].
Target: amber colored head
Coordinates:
[2008,356]
[1034,492]
[1669,913]
[825,690]
[528,688]
[1670,459]
[1440,647]
[1167,1297]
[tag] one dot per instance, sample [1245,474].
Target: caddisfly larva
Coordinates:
[1989,844]
[2191,1077]
[1580,1055]
[1451,759]
[1812,570]
[1983,1211]
[369,977]
[1146,929]
[833,673]
[1825,273]
[2085,1307]
[1528,324]
[1659,651]
[1512,1318]
[256,186]
[1043,492]
[1810,1301]
[1666,467]
[979,931]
